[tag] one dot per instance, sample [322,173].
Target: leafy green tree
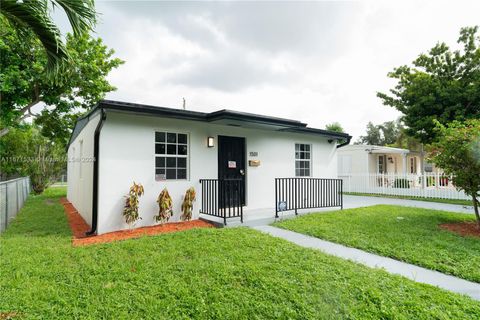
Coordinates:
[34,17]
[404,141]
[457,152]
[335,127]
[383,134]
[24,83]
[441,85]
[26,152]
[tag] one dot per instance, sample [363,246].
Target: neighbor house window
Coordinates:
[413,165]
[428,167]
[382,164]
[171,155]
[302,160]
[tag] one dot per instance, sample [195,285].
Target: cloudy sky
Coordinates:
[317,62]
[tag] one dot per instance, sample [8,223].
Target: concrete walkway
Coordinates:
[350,201]
[265,216]
[410,271]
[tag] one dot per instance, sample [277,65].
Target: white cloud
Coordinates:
[318,62]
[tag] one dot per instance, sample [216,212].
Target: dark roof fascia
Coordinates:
[199,116]
[325,133]
[142,109]
[80,124]
[251,117]
[153,110]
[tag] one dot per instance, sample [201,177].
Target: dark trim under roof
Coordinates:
[196,115]
[322,132]
[284,125]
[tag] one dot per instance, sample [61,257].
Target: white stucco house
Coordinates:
[370,159]
[386,170]
[119,143]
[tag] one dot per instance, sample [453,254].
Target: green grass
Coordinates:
[449,201]
[414,238]
[232,273]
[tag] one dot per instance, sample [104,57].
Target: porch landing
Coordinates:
[260,217]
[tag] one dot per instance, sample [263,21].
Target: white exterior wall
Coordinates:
[127,154]
[356,158]
[80,171]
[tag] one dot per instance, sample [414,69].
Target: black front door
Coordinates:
[231,169]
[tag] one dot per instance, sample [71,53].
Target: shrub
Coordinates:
[187,205]
[165,205]
[457,152]
[130,211]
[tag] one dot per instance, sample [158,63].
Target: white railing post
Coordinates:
[429,185]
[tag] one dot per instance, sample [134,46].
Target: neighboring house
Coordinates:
[394,171]
[368,159]
[173,148]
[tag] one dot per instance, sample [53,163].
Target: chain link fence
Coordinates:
[13,194]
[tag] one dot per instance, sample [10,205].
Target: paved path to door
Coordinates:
[410,271]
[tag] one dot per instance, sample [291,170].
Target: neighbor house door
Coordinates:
[231,169]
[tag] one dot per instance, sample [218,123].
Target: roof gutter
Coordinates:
[345,143]
[96,149]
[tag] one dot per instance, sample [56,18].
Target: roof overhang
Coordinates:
[387,150]
[221,117]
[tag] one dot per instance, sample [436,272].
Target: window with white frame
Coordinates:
[303,160]
[171,155]
[382,164]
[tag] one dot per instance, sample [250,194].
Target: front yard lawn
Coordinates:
[233,273]
[403,233]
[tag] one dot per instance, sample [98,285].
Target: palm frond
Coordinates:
[34,15]
[81,14]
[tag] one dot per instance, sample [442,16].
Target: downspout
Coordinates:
[96,149]
[345,143]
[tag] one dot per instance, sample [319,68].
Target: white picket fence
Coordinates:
[428,185]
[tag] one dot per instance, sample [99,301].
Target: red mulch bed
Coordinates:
[80,228]
[463,228]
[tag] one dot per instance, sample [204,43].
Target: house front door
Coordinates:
[231,169]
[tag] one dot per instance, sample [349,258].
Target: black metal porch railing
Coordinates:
[222,198]
[307,193]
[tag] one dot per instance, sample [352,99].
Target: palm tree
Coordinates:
[34,16]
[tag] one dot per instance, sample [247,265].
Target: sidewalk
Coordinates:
[350,201]
[415,273]
[260,217]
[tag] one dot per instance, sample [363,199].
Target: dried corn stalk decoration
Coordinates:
[130,210]
[187,205]
[165,207]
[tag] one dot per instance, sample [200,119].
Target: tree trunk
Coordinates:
[475,208]
[25,112]
[4,131]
